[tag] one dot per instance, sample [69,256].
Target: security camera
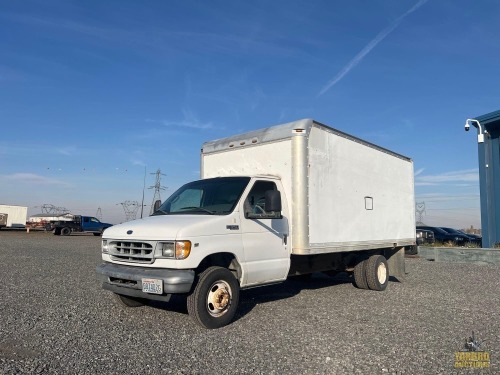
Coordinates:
[467,126]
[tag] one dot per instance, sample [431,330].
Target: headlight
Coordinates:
[174,249]
[167,249]
[104,246]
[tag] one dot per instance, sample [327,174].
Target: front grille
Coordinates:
[126,251]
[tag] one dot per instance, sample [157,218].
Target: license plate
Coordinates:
[154,286]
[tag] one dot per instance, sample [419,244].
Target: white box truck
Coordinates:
[288,200]
[13,216]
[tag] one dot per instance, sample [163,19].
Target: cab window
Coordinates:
[255,203]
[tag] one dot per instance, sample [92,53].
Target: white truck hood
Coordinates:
[172,227]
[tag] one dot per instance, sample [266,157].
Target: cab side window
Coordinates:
[255,203]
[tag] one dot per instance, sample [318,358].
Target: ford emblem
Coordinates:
[130,231]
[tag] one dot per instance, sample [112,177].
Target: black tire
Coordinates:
[129,301]
[97,234]
[377,272]
[57,231]
[214,300]
[360,275]
[65,231]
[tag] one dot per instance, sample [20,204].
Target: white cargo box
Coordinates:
[13,216]
[344,193]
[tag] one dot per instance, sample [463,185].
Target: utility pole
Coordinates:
[143,188]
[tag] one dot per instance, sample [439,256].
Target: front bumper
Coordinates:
[127,280]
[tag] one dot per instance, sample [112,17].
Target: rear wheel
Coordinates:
[377,272]
[360,275]
[65,231]
[214,300]
[128,301]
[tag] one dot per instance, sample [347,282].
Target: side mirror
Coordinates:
[157,205]
[273,201]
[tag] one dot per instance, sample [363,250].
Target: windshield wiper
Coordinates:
[198,208]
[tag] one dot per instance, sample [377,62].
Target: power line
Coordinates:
[50,209]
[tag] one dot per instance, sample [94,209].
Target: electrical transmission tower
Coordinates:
[157,186]
[53,210]
[420,211]
[98,215]
[130,208]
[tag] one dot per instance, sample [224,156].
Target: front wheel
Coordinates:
[214,300]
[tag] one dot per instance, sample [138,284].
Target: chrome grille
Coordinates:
[131,251]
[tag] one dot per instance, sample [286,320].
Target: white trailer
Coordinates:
[13,216]
[288,200]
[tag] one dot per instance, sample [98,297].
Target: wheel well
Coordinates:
[226,260]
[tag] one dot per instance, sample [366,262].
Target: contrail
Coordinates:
[361,55]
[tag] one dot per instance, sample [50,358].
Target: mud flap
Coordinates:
[396,262]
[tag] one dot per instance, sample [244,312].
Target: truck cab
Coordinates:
[79,223]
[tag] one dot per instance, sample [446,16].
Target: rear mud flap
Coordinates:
[396,262]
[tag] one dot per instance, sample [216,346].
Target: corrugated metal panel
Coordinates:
[492,118]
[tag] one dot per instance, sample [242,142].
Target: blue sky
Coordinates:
[92,93]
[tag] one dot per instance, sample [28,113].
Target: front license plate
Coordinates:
[154,286]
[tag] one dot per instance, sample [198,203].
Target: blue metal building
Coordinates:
[488,136]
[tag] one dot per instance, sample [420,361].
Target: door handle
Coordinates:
[285,239]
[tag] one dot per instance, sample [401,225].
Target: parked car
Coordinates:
[476,237]
[440,235]
[471,238]
[425,237]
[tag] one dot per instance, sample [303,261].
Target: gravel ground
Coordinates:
[56,319]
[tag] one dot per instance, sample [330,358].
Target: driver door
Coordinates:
[265,238]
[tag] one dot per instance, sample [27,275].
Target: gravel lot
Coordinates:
[56,319]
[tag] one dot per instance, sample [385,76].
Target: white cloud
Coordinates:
[190,121]
[456,177]
[34,179]
[68,151]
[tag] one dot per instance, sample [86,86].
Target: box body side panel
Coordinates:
[359,197]
[16,215]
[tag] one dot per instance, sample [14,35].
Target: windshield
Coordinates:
[214,196]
